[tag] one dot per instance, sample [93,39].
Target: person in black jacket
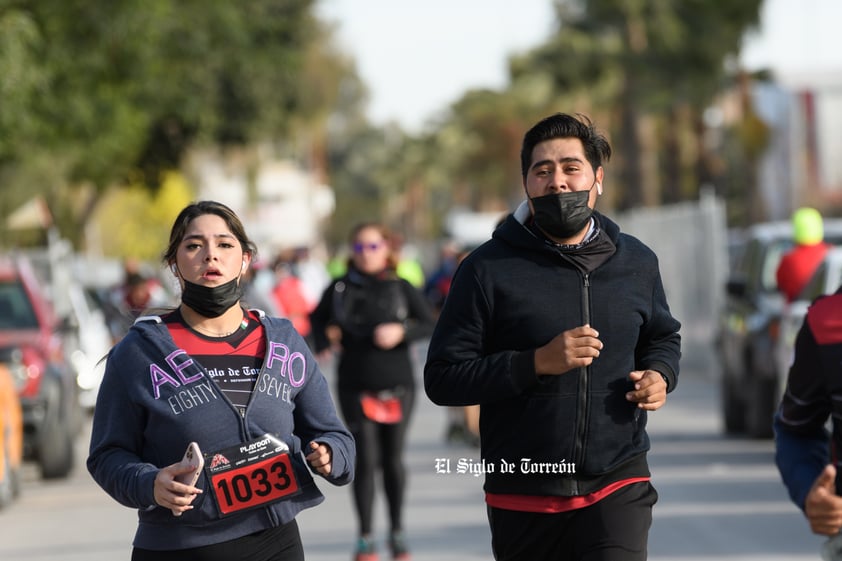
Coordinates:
[807,456]
[371,315]
[559,328]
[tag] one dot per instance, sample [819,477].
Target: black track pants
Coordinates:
[613,529]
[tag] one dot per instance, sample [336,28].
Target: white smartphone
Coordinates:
[193,458]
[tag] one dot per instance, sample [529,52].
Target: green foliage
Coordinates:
[20,79]
[632,65]
[134,222]
[116,93]
[127,85]
[361,164]
[642,62]
[103,93]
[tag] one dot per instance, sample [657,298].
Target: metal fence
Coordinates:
[691,241]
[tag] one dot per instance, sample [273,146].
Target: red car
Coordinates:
[31,348]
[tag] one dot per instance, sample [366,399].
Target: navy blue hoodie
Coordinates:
[154,400]
[514,294]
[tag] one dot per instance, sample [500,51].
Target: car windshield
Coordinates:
[15,307]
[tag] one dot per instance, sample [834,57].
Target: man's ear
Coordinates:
[599,173]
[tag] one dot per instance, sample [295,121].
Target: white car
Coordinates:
[88,342]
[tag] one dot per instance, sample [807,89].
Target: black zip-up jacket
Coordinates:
[358,303]
[514,294]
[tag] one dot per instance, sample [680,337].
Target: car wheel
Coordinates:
[733,412]
[761,407]
[55,446]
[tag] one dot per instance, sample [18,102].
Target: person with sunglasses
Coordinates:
[369,316]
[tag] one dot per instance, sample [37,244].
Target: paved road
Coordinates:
[720,499]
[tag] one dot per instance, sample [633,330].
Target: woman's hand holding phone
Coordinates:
[170,491]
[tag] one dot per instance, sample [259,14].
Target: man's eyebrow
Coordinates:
[565,160]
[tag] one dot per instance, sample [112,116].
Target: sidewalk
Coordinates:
[444,514]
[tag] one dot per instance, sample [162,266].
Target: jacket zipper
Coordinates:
[584,374]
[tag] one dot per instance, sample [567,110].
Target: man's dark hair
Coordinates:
[562,125]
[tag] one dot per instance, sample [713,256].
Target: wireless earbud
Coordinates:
[244,266]
[599,188]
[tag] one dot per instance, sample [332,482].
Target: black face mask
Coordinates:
[562,215]
[211,301]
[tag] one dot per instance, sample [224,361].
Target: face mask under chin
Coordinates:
[211,301]
[562,215]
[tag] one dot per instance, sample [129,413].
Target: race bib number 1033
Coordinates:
[251,475]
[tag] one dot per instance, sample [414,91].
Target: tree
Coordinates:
[20,79]
[647,59]
[104,93]
[152,213]
[645,70]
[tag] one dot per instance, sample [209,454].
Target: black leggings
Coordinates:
[378,446]
[275,544]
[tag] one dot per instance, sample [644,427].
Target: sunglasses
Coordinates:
[361,247]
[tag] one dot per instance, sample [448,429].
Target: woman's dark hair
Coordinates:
[197,209]
[562,125]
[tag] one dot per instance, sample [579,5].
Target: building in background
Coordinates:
[284,205]
[802,162]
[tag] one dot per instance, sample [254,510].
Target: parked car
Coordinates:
[31,347]
[11,438]
[749,330]
[71,284]
[87,341]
